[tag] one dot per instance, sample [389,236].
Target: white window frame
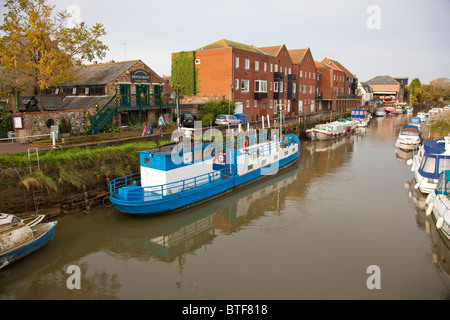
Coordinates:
[256,65]
[261,86]
[256,103]
[236,62]
[265,66]
[247,104]
[245,85]
[247,64]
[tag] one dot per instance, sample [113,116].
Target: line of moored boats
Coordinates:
[431,167]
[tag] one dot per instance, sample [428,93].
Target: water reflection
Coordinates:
[169,238]
[314,215]
[440,245]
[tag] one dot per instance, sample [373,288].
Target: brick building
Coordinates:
[307,78]
[257,80]
[260,79]
[386,89]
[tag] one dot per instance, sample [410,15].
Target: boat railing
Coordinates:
[141,193]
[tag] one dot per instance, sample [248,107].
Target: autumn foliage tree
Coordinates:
[38,43]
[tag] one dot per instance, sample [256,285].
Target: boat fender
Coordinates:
[430,209]
[245,143]
[440,223]
[427,201]
[416,186]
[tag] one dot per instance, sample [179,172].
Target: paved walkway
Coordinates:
[14,147]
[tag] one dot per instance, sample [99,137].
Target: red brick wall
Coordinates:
[214,72]
[307,77]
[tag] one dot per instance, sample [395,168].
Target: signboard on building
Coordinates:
[140,76]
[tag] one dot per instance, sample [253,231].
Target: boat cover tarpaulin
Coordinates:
[415,120]
[358,113]
[434,146]
[410,128]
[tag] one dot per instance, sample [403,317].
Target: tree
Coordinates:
[36,43]
[210,110]
[415,90]
[12,83]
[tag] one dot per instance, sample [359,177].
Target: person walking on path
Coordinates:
[144,131]
[149,128]
[161,124]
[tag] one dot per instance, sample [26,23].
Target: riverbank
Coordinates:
[65,180]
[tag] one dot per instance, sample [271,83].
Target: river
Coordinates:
[315,231]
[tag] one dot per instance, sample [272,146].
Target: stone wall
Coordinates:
[39,123]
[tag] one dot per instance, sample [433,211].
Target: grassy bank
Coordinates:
[65,177]
[440,126]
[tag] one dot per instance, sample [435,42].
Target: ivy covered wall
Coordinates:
[184,73]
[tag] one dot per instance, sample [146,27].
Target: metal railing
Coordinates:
[173,189]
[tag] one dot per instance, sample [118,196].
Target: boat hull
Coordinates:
[407,146]
[46,233]
[441,212]
[201,194]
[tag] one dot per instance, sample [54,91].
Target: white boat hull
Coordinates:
[440,206]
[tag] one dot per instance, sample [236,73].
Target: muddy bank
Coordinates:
[55,189]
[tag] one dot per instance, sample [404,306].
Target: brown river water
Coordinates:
[314,231]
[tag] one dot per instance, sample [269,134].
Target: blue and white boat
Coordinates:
[416,121]
[170,180]
[18,240]
[408,138]
[439,203]
[361,116]
[432,158]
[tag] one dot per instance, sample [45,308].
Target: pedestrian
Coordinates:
[161,124]
[149,129]
[144,131]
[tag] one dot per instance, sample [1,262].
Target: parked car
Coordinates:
[186,119]
[225,119]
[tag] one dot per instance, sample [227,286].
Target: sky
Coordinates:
[400,38]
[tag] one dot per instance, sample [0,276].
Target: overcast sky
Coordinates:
[401,38]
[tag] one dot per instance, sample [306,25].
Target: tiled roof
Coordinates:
[230,44]
[273,51]
[323,65]
[297,55]
[382,80]
[100,74]
[346,71]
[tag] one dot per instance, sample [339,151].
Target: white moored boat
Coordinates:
[332,130]
[432,158]
[361,116]
[439,203]
[408,138]
[380,112]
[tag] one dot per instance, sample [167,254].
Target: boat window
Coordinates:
[429,164]
[444,164]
